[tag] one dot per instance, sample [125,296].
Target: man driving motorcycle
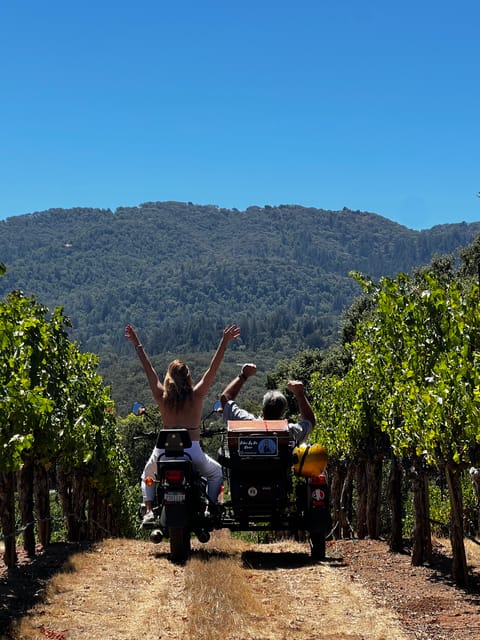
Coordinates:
[274,405]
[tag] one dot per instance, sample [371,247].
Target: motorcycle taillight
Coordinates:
[174,476]
[318,480]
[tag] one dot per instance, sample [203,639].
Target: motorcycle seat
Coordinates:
[174,441]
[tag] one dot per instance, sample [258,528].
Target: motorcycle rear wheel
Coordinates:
[180,544]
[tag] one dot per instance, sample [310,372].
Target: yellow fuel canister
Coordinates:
[309,460]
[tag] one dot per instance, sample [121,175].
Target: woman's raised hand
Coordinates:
[231,332]
[130,334]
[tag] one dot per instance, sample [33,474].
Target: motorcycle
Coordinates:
[181,505]
[272,485]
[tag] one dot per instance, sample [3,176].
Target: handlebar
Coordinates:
[150,435]
[204,432]
[208,433]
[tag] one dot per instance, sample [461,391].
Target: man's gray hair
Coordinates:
[274,405]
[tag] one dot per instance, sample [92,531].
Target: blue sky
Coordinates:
[367,105]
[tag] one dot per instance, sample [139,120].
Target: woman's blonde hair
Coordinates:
[178,385]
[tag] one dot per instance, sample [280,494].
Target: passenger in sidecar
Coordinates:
[258,458]
[274,405]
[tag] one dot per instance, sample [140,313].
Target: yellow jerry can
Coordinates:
[309,460]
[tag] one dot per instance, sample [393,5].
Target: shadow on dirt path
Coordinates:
[23,586]
[284,560]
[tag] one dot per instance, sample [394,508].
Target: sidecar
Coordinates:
[258,458]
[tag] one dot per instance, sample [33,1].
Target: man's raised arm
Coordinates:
[232,389]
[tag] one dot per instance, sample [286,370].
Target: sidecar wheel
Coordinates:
[180,544]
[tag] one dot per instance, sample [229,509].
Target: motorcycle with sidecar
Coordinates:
[271,485]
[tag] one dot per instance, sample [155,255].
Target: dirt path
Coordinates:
[126,590]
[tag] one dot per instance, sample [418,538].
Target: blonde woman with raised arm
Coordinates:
[180,403]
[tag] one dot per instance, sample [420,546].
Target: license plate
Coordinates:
[174,497]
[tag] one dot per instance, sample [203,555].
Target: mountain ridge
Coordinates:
[180,272]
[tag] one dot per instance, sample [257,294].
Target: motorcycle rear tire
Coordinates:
[180,543]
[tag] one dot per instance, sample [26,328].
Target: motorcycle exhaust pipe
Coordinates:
[156,536]
[202,535]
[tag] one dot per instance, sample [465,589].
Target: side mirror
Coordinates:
[138,409]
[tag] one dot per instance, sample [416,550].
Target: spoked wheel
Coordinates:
[317,545]
[180,544]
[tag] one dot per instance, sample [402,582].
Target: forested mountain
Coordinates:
[179,272]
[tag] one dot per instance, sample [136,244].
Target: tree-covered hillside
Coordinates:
[179,272]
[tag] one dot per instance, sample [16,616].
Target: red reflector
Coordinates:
[318,480]
[174,475]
